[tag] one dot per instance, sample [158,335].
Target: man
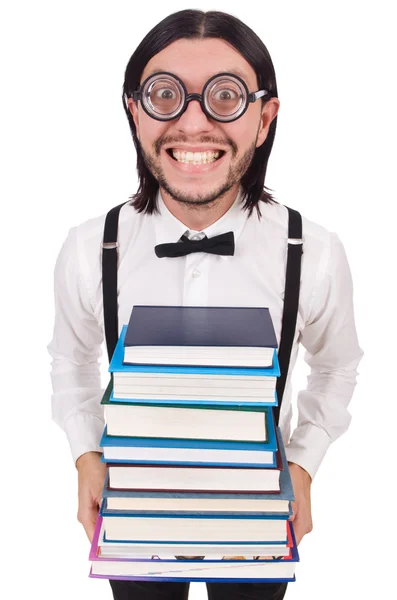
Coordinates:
[200,95]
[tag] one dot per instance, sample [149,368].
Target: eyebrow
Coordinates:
[234,71]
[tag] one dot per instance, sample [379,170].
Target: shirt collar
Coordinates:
[169,229]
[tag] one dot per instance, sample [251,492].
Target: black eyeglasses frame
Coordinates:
[250,97]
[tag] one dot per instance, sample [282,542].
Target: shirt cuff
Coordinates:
[307,447]
[84,432]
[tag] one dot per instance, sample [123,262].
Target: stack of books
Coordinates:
[197,486]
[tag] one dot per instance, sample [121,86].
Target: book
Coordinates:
[195,478]
[202,502]
[264,507]
[199,529]
[103,548]
[200,335]
[187,421]
[266,570]
[151,567]
[216,452]
[206,398]
[182,502]
[191,388]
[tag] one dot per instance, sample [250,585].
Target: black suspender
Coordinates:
[109,278]
[291,296]
[291,302]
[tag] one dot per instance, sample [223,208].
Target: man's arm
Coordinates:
[333,354]
[75,373]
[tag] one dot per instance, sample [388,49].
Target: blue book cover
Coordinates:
[286,489]
[160,579]
[266,516]
[104,511]
[157,577]
[162,444]
[141,442]
[117,366]
[184,527]
[200,326]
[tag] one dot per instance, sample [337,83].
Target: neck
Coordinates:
[196,216]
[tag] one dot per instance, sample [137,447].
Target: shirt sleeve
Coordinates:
[75,350]
[333,354]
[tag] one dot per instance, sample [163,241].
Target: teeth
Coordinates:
[195,158]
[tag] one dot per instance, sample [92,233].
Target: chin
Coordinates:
[196,195]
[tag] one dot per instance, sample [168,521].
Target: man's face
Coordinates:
[164,143]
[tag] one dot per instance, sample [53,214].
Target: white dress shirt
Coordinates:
[254,276]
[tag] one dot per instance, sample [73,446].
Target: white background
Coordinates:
[67,155]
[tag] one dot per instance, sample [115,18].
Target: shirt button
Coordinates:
[196,273]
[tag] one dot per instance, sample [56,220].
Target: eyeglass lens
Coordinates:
[164,96]
[225,97]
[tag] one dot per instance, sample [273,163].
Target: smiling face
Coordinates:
[195,158]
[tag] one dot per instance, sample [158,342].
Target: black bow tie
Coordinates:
[220,244]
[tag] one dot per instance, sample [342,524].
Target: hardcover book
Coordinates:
[220,422]
[198,529]
[178,451]
[200,335]
[127,549]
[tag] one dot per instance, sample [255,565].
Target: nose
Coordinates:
[194,120]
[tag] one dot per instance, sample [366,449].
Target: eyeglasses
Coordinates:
[225,97]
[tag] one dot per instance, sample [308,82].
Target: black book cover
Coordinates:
[200,326]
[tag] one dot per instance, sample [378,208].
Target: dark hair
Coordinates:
[196,24]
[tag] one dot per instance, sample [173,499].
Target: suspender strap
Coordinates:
[109,278]
[291,296]
[291,301]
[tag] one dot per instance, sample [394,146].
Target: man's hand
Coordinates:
[91,477]
[302,512]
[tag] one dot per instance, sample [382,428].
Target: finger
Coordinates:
[298,531]
[301,528]
[88,520]
[89,528]
[299,537]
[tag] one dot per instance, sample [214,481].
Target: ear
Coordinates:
[133,108]
[269,112]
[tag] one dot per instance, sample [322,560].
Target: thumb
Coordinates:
[294,509]
[88,519]
[90,524]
